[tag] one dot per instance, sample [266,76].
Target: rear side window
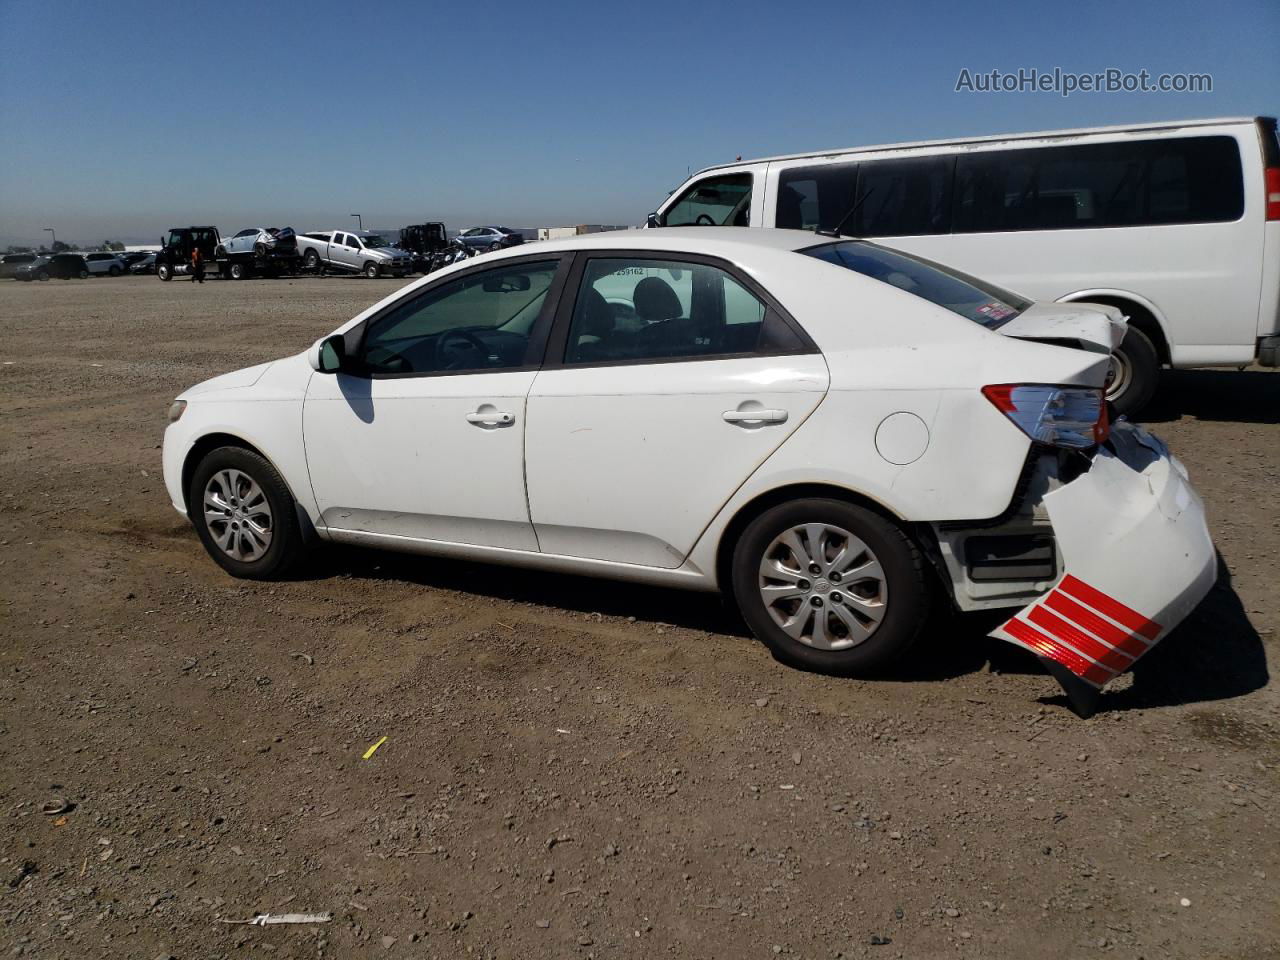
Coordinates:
[960,293]
[635,310]
[813,197]
[1149,182]
[722,201]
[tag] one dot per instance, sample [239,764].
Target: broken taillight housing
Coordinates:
[1072,417]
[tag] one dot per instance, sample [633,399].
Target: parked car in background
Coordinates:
[262,241]
[145,263]
[134,256]
[60,266]
[10,263]
[105,264]
[833,433]
[490,238]
[366,253]
[1176,224]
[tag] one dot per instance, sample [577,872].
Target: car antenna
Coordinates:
[836,230]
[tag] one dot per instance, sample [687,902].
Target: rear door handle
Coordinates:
[755,416]
[490,418]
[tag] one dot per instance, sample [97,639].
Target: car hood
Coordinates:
[1088,326]
[389,252]
[227,381]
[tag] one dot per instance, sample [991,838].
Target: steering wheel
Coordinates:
[703,220]
[458,349]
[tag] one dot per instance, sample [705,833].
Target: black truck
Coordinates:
[174,258]
[427,242]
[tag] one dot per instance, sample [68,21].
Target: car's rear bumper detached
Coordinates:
[1136,559]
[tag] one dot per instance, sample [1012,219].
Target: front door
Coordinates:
[426,442]
[675,381]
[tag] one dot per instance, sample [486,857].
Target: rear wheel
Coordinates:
[42,275]
[312,261]
[1135,373]
[244,514]
[83,274]
[371,270]
[115,271]
[494,246]
[830,586]
[260,250]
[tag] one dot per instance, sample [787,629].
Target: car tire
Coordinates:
[237,271]
[42,275]
[371,270]
[1135,373]
[83,275]
[493,247]
[115,271]
[824,621]
[260,538]
[260,250]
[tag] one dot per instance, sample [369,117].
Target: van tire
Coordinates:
[1137,373]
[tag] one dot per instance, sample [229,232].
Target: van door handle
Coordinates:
[755,416]
[490,418]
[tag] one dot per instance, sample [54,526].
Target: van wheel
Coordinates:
[164,271]
[244,514]
[1134,374]
[371,270]
[830,586]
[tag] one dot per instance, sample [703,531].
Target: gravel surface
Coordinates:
[571,768]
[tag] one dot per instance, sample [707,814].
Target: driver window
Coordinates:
[480,322]
[723,201]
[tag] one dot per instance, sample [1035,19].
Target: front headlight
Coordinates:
[176,409]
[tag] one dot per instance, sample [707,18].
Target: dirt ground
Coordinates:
[571,768]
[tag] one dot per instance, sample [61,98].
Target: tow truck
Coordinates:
[174,258]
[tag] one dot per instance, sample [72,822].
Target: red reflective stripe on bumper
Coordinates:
[1057,627]
[1114,609]
[1123,640]
[1048,647]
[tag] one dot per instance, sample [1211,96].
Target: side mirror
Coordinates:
[652,221]
[329,355]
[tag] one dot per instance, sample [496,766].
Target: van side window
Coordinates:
[903,198]
[812,197]
[1169,180]
[722,201]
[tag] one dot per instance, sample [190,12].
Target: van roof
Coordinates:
[995,138]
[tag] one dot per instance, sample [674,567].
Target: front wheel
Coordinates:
[42,275]
[371,270]
[244,514]
[1135,373]
[83,274]
[164,271]
[830,586]
[238,271]
[115,271]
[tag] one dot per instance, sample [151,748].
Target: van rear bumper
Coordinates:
[1136,558]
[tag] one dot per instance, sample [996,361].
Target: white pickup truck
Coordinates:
[366,253]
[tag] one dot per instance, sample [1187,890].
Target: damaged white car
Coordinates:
[835,434]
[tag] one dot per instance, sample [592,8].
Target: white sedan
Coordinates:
[835,434]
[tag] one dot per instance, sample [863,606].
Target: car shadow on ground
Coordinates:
[1239,396]
[1215,654]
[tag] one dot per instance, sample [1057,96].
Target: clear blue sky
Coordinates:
[118,119]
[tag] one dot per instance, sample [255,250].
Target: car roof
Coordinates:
[727,242]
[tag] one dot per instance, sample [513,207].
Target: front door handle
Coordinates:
[490,417]
[755,416]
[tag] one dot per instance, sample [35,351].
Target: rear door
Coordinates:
[668,381]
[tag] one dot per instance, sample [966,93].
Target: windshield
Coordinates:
[373,241]
[960,293]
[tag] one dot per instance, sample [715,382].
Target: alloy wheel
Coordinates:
[823,586]
[238,515]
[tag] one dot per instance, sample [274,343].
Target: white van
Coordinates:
[1177,224]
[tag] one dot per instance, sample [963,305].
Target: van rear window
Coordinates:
[960,293]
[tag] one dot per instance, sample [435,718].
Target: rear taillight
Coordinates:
[1273,193]
[1074,417]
